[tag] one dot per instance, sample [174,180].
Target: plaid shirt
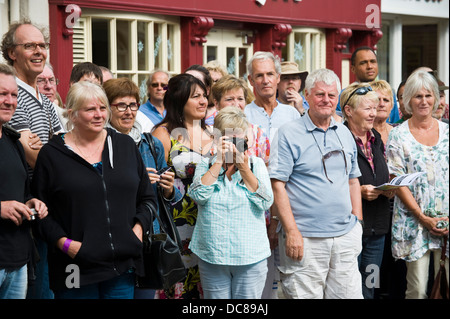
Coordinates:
[230,227]
[368,149]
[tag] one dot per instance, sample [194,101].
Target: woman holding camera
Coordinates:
[232,192]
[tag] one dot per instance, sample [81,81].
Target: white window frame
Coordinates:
[85,28]
[314,37]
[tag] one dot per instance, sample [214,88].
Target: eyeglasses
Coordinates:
[43,81]
[327,156]
[359,91]
[122,107]
[31,46]
[155,85]
[330,154]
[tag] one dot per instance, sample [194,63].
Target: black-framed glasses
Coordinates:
[43,81]
[31,46]
[330,154]
[122,107]
[359,91]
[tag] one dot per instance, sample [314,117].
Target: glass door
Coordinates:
[230,48]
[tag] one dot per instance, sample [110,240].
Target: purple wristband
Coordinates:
[66,245]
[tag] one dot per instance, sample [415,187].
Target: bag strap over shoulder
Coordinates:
[151,143]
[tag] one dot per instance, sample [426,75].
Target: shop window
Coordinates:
[306,47]
[130,45]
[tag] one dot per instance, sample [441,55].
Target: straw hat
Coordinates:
[441,84]
[288,67]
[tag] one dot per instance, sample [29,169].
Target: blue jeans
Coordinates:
[232,282]
[120,287]
[13,283]
[370,263]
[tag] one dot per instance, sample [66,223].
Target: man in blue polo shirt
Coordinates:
[156,89]
[314,171]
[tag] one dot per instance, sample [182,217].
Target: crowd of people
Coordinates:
[272,181]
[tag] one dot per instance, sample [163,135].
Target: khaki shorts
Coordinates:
[328,269]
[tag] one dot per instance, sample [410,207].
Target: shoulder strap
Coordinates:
[151,143]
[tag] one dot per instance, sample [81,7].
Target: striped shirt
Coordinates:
[230,227]
[37,116]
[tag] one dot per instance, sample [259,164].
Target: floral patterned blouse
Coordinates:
[184,161]
[410,240]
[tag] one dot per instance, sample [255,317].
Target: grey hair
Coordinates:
[153,72]
[322,75]
[7,69]
[264,55]
[416,81]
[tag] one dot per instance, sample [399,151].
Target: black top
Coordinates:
[97,209]
[15,241]
[376,213]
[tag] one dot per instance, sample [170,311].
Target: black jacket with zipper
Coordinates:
[99,210]
[376,213]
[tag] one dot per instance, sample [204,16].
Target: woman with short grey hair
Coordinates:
[420,217]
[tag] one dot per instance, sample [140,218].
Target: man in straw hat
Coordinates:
[292,82]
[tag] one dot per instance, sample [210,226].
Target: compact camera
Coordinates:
[33,217]
[241,144]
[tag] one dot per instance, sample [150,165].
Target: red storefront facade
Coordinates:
[346,24]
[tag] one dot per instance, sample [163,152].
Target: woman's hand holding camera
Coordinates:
[164,179]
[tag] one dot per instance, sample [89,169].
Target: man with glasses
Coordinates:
[47,85]
[25,48]
[156,89]
[314,171]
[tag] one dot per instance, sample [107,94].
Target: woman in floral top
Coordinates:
[186,141]
[420,144]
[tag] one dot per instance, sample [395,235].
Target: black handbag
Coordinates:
[161,252]
[162,260]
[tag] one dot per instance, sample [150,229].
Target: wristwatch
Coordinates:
[361,221]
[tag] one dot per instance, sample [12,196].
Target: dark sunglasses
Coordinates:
[331,153]
[359,91]
[327,156]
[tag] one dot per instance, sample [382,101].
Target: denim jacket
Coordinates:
[159,162]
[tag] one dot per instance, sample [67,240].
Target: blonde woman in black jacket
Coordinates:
[359,103]
[99,197]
